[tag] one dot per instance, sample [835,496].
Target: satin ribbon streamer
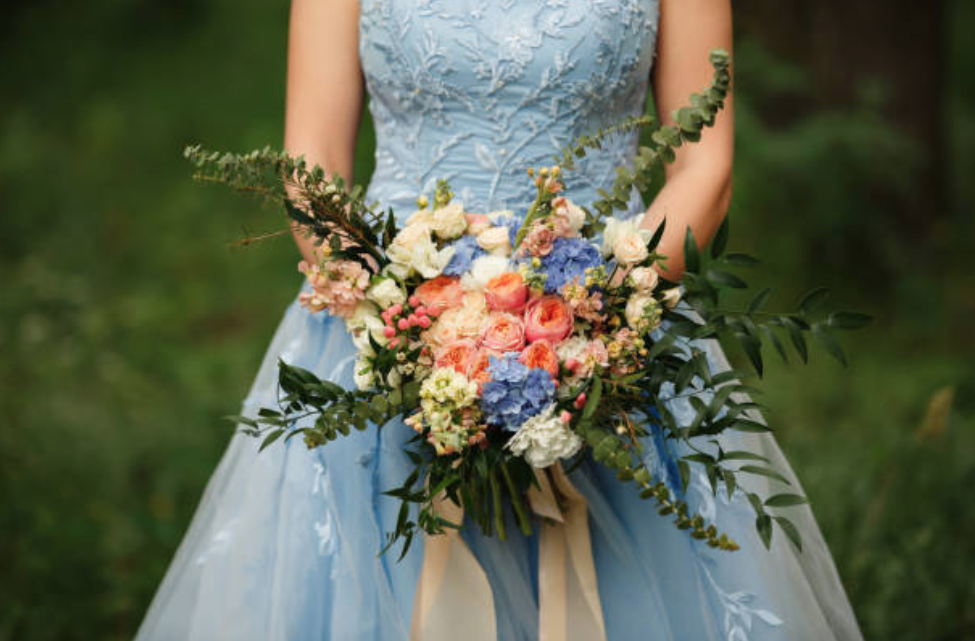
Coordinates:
[453,595]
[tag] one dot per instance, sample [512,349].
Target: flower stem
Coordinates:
[516,501]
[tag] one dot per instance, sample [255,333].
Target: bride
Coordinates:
[284,543]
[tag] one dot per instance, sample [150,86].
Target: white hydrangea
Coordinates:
[386,293]
[543,439]
[482,270]
[449,221]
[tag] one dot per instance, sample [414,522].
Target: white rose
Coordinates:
[543,439]
[617,229]
[495,240]
[449,221]
[363,375]
[575,214]
[630,249]
[644,279]
[386,293]
[421,254]
[642,313]
[482,270]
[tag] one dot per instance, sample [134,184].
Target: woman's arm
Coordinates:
[698,187]
[325,88]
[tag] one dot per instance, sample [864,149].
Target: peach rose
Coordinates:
[506,292]
[479,364]
[466,321]
[541,354]
[504,333]
[457,355]
[441,293]
[549,318]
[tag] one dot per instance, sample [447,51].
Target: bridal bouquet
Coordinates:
[511,342]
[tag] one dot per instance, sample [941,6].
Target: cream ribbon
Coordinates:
[453,595]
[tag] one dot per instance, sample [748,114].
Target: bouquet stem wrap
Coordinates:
[452,583]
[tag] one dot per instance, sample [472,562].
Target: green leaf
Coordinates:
[812,300]
[764,471]
[741,260]
[592,401]
[752,348]
[720,241]
[270,438]
[743,454]
[825,338]
[657,236]
[776,343]
[745,425]
[790,530]
[849,320]
[759,301]
[763,523]
[692,257]
[785,500]
[725,279]
[797,338]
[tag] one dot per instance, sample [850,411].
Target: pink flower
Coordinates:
[506,292]
[457,355]
[541,355]
[583,304]
[538,241]
[439,294]
[338,285]
[504,333]
[548,318]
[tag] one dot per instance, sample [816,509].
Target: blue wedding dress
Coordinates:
[284,543]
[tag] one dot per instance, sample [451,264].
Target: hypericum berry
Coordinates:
[414,301]
[395,309]
[425,322]
[403,324]
[581,401]
[421,310]
[389,331]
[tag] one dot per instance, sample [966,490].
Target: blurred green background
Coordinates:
[128,327]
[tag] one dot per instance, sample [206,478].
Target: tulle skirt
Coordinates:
[284,544]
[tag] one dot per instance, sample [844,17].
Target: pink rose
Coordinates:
[541,355]
[548,318]
[504,333]
[457,356]
[439,294]
[506,292]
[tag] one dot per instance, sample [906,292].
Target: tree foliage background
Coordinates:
[127,326]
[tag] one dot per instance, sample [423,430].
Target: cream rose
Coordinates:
[495,240]
[642,313]
[644,279]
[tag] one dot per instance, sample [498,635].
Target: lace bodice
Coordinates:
[476,91]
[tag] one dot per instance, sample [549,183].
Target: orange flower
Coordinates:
[549,318]
[504,333]
[479,364]
[541,354]
[506,292]
[457,356]
[441,293]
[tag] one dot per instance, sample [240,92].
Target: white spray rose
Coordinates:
[386,293]
[414,249]
[623,238]
[642,313]
[543,439]
[449,221]
[575,214]
[482,270]
[495,240]
[363,375]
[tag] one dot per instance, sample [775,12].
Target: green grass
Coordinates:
[128,328]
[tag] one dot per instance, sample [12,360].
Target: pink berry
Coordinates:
[395,309]
[572,364]
[425,322]
[389,332]
[421,310]
[565,416]
[581,401]
[403,324]
[414,301]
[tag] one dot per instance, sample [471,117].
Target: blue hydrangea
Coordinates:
[515,393]
[466,251]
[569,258]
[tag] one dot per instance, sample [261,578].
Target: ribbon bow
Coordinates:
[453,592]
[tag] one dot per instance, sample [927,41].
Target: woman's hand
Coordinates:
[325,90]
[698,188]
